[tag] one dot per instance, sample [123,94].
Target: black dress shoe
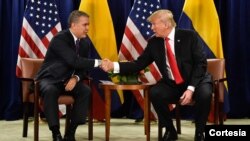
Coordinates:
[69,138]
[170,136]
[57,137]
[199,137]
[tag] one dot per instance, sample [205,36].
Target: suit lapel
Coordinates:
[161,57]
[71,39]
[177,48]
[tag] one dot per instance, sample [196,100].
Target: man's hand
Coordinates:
[107,65]
[186,98]
[71,83]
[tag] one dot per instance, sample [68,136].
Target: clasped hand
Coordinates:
[107,65]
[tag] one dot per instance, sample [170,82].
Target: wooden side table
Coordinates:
[108,87]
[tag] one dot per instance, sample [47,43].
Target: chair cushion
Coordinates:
[66,99]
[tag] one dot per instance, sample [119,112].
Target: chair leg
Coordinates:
[25,118]
[178,118]
[90,116]
[36,113]
[159,132]
[221,113]
[216,109]
[67,120]
[36,126]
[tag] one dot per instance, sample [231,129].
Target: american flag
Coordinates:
[40,23]
[134,41]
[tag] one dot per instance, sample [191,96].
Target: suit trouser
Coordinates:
[163,94]
[51,92]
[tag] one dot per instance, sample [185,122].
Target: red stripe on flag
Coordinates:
[31,43]
[126,53]
[54,31]
[98,104]
[154,72]
[144,79]
[45,42]
[22,53]
[133,40]
[18,71]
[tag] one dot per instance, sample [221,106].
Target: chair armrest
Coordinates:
[86,77]
[87,80]
[219,89]
[223,79]
[36,89]
[220,80]
[26,79]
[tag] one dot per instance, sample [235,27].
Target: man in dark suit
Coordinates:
[189,80]
[63,69]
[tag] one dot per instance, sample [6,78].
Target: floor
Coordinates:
[120,130]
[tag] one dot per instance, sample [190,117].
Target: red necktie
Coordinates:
[173,65]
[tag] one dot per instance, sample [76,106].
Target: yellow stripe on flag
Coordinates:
[101,30]
[205,20]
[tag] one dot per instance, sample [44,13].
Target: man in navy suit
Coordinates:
[192,82]
[64,67]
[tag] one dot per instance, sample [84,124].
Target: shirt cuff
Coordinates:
[191,88]
[77,78]
[97,63]
[116,67]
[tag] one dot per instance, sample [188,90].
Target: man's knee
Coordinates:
[85,91]
[205,92]
[154,93]
[48,91]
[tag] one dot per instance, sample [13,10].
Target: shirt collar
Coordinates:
[75,38]
[171,34]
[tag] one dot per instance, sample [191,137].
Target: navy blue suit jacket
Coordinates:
[61,60]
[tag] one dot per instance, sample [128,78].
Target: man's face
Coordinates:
[81,27]
[158,27]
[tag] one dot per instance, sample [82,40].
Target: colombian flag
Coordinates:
[101,31]
[201,16]
[102,35]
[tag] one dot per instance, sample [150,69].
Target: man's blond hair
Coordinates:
[164,15]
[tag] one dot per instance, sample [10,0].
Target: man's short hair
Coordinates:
[165,16]
[74,16]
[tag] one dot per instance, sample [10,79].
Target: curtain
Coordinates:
[11,21]
[235,26]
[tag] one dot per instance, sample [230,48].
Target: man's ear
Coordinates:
[167,25]
[72,25]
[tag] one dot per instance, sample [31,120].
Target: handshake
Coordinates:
[106,65]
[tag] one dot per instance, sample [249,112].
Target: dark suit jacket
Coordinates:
[61,59]
[190,58]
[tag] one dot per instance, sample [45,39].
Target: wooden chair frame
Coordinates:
[216,67]
[28,76]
